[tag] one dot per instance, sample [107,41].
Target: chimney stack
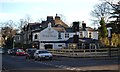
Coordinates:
[57,17]
[76,39]
[75,26]
[49,18]
[83,25]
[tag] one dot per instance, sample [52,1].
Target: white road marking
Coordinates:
[60,66]
[72,68]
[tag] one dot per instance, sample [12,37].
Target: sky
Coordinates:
[70,10]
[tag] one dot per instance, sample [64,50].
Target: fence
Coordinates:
[86,52]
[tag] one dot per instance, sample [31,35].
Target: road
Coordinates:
[0,62]
[10,62]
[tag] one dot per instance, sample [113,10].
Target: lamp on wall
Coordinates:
[33,46]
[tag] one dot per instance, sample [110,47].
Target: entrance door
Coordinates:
[48,46]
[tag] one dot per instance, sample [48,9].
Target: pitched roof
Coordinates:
[59,29]
[69,29]
[84,40]
[61,23]
[34,23]
[89,29]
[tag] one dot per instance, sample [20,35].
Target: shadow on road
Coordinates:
[59,71]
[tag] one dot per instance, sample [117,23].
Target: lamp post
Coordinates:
[109,36]
[13,42]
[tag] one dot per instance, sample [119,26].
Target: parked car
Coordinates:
[2,51]
[30,49]
[42,54]
[18,52]
[9,51]
[30,53]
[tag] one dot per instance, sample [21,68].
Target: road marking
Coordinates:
[60,66]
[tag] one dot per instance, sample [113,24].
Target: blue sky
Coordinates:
[71,10]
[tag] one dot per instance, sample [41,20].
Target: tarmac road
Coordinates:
[59,64]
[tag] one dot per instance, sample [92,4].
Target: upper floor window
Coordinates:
[36,36]
[81,34]
[66,35]
[30,37]
[90,35]
[59,35]
[18,37]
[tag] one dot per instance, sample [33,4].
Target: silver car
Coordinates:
[9,51]
[42,54]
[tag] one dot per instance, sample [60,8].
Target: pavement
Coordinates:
[103,67]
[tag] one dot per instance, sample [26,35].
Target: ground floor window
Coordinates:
[48,46]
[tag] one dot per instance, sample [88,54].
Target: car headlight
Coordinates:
[42,56]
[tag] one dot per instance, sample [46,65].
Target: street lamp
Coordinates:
[13,42]
[109,34]
[109,37]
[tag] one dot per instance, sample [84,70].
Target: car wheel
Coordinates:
[38,58]
[15,54]
[26,57]
[50,59]
[35,59]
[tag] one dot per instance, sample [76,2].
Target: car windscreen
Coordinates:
[31,51]
[20,50]
[43,52]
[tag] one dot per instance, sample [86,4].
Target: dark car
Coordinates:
[30,53]
[30,49]
[18,52]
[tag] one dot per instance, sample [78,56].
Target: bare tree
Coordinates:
[10,23]
[63,18]
[21,24]
[115,15]
[24,21]
[27,18]
[101,10]
[116,10]
[40,20]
